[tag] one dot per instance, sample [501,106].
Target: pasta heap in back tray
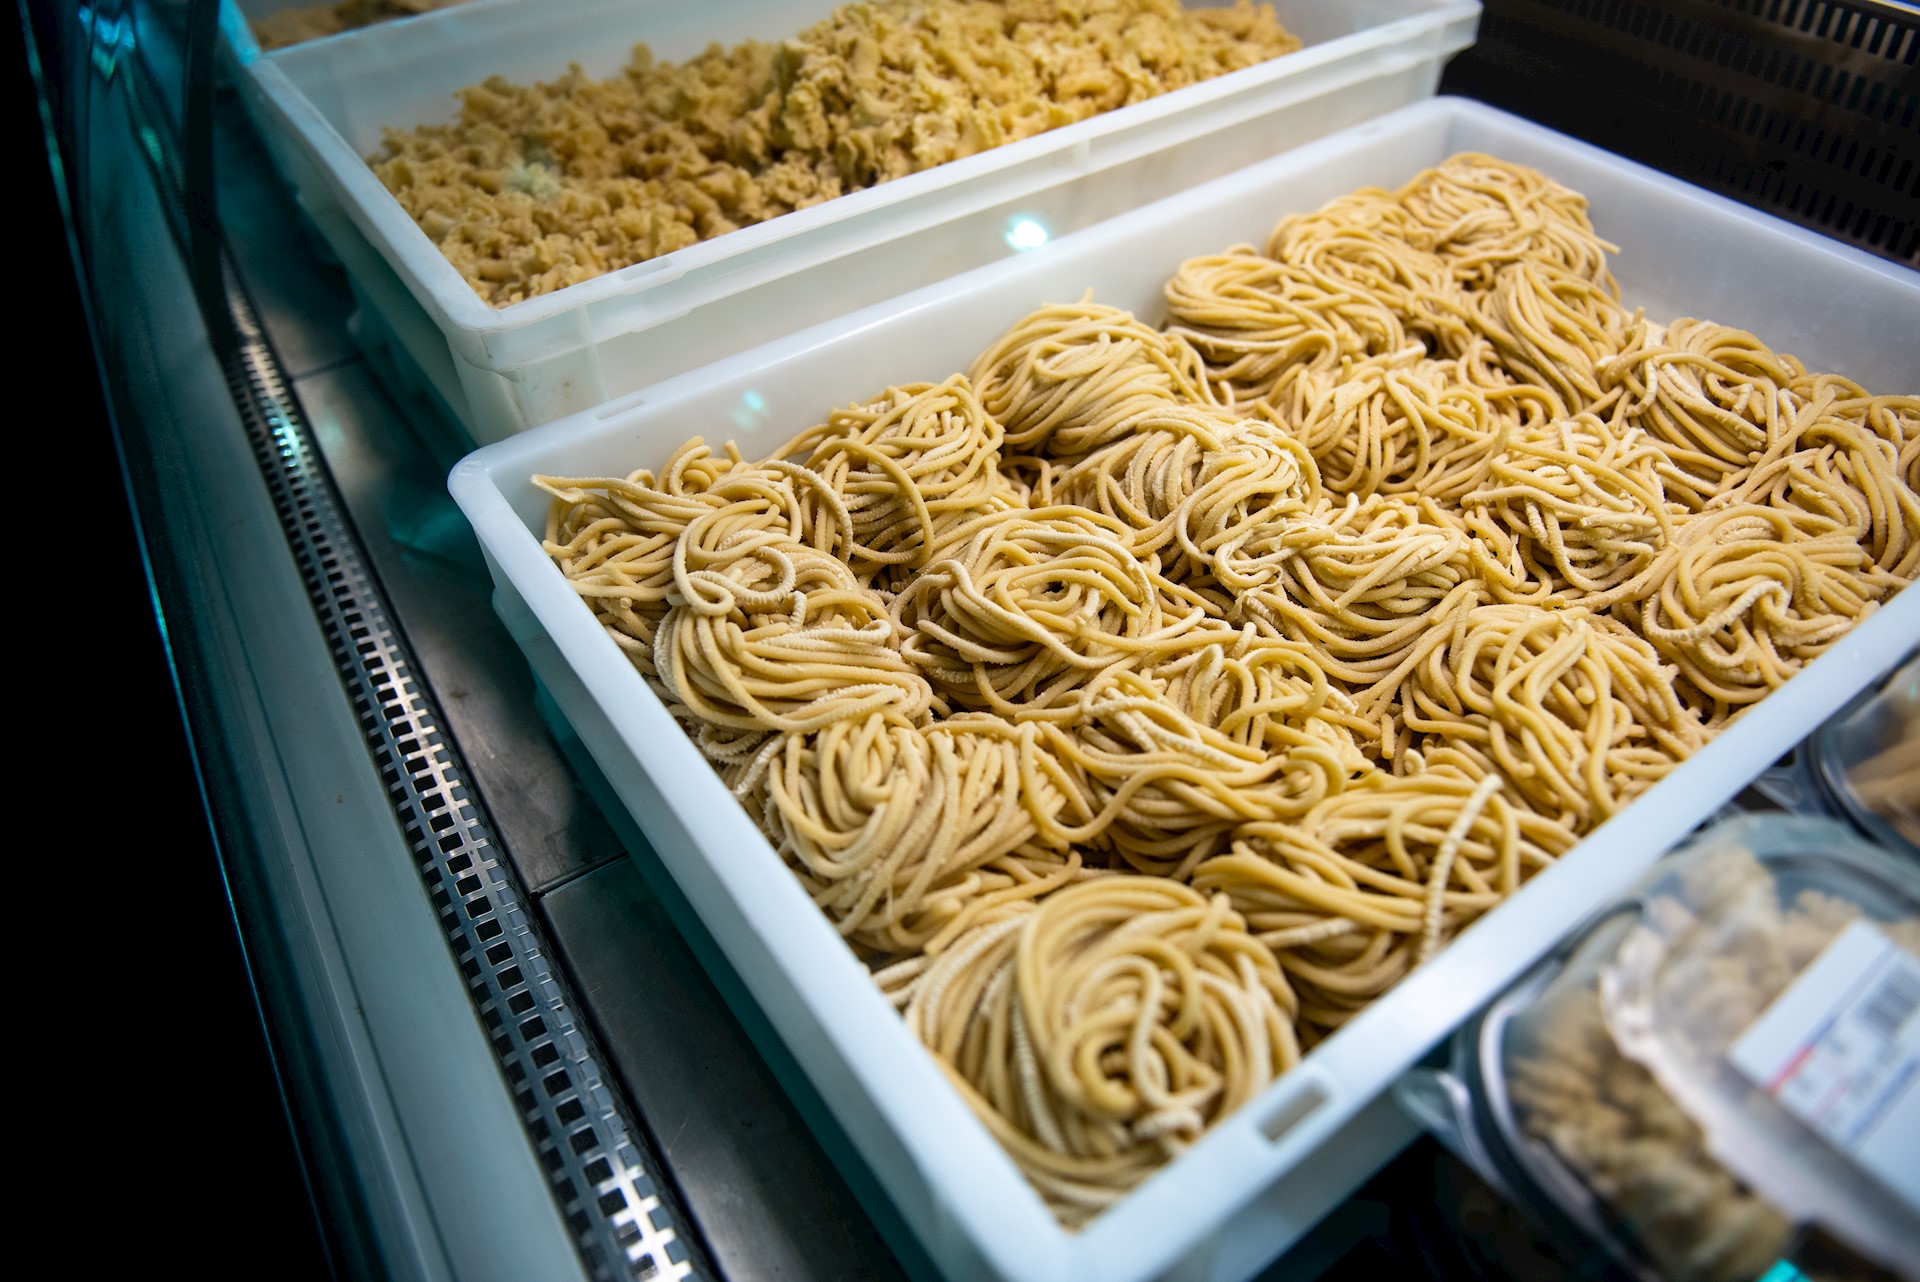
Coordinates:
[537,187]
[1145,702]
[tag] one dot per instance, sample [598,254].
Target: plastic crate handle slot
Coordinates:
[1305,1100]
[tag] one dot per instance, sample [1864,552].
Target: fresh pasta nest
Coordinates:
[1144,702]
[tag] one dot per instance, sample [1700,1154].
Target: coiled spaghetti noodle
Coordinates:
[1101,1032]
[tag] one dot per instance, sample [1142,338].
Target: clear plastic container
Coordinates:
[1861,765]
[1867,760]
[1769,984]
[1670,1083]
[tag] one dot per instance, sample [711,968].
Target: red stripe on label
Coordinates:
[1792,1066]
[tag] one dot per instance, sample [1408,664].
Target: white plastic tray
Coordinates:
[1219,1211]
[324,104]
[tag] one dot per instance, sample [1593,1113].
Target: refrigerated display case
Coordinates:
[425,938]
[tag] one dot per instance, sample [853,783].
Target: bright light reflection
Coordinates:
[1027,233]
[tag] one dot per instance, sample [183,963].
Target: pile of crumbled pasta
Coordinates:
[1145,702]
[538,187]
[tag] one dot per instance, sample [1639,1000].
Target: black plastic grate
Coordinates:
[1809,109]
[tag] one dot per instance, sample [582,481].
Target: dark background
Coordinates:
[159,1105]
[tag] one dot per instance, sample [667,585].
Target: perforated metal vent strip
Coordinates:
[624,1224]
[619,1217]
[1809,109]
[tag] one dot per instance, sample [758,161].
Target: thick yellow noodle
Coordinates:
[1101,1032]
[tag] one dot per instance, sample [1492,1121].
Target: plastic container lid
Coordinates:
[1647,1087]
[1769,983]
[1588,1140]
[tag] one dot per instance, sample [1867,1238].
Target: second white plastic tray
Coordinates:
[324,106]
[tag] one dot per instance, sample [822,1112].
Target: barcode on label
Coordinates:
[1892,1003]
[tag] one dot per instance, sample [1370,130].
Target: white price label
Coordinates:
[1840,1050]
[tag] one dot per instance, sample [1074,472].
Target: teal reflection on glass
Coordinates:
[1782,1271]
[1027,233]
[108,39]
